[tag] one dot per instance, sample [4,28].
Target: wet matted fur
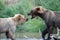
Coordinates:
[51,19]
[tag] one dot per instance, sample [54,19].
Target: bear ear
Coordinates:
[17,17]
[38,8]
[41,9]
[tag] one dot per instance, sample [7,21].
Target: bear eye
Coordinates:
[31,11]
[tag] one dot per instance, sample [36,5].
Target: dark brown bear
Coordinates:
[51,19]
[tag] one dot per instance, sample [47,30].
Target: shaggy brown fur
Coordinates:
[51,19]
[8,25]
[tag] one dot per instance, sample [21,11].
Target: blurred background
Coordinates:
[33,27]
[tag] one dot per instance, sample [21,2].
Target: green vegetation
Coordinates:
[23,7]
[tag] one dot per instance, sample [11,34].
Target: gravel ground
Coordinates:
[24,39]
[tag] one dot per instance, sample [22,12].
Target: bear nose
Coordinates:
[26,19]
[29,14]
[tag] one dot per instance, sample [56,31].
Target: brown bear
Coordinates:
[8,25]
[51,19]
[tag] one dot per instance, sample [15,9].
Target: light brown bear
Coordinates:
[8,25]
